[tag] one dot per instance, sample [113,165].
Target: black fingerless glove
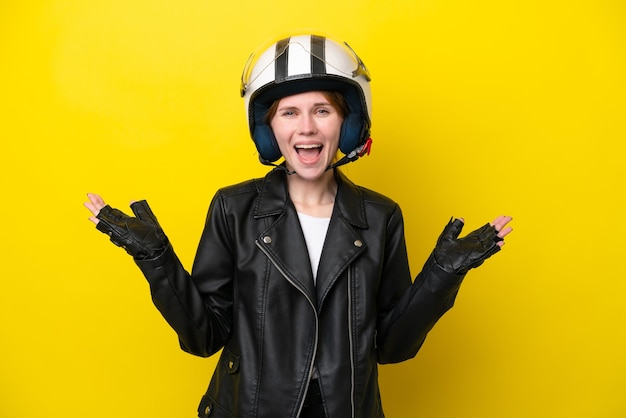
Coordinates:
[141,237]
[458,255]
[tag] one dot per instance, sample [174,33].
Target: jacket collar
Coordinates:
[273,198]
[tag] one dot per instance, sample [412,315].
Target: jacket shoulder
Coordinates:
[368,196]
[371,196]
[245,187]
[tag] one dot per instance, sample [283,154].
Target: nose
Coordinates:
[307,124]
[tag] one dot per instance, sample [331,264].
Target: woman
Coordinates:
[301,277]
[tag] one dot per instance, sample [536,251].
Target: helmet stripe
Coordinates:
[282,59]
[318,58]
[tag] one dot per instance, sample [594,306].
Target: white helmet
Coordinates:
[306,63]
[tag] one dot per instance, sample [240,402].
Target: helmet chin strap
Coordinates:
[353,155]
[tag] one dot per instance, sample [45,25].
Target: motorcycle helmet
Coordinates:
[302,63]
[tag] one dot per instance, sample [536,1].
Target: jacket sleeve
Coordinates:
[408,311]
[198,306]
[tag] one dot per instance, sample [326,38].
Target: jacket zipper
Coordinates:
[351,341]
[282,272]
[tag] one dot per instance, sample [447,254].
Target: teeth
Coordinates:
[308,146]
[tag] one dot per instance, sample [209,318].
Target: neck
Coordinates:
[313,197]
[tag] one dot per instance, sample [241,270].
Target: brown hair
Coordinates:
[335,98]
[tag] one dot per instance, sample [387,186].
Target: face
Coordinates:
[307,127]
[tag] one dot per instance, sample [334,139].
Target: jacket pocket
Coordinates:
[232,362]
[208,408]
[222,398]
[205,409]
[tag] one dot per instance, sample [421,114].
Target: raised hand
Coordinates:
[458,255]
[141,236]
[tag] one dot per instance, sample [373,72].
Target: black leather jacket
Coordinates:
[251,293]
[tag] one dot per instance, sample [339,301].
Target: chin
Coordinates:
[311,173]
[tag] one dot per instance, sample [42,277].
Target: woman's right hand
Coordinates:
[141,236]
[94,205]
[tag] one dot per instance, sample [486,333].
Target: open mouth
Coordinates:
[309,150]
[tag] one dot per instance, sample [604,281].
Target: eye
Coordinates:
[323,111]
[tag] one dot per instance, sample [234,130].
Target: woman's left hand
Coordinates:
[458,255]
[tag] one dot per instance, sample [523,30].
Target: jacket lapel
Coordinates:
[283,241]
[343,241]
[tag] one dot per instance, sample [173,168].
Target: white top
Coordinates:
[314,230]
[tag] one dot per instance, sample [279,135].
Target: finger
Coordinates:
[457,227]
[94,219]
[500,222]
[92,208]
[451,231]
[95,203]
[504,232]
[96,199]
[142,211]
[497,223]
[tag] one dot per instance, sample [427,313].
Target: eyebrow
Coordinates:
[296,107]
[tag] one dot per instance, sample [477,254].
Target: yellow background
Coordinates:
[481,108]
